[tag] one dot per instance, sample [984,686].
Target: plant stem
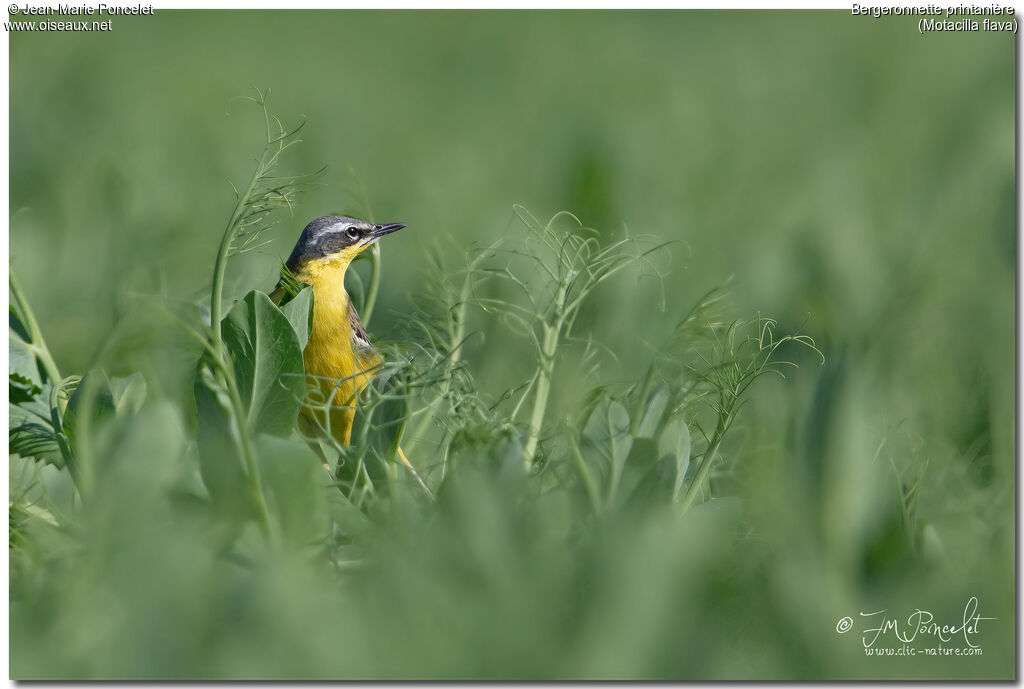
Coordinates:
[249,456]
[38,344]
[222,365]
[224,250]
[456,333]
[540,400]
[709,458]
[70,461]
[588,481]
[371,293]
[548,349]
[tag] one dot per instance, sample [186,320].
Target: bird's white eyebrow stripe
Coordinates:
[326,226]
[320,232]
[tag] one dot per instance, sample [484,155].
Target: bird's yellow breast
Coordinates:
[334,364]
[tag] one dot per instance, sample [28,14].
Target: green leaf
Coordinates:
[25,384]
[115,397]
[267,363]
[267,366]
[136,457]
[347,516]
[127,394]
[21,359]
[674,452]
[16,325]
[297,487]
[606,435]
[30,431]
[656,468]
[30,417]
[640,480]
[21,389]
[299,312]
[653,412]
[356,289]
[41,497]
[221,464]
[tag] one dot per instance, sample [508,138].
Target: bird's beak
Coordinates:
[381,230]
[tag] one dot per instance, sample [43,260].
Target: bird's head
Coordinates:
[335,239]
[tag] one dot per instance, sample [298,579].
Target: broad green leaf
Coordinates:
[220,459]
[24,379]
[127,394]
[33,405]
[656,468]
[299,312]
[347,516]
[507,454]
[30,422]
[267,362]
[606,433]
[16,325]
[355,288]
[267,365]
[41,497]
[674,452]
[30,431]
[135,458]
[21,360]
[640,480]
[103,402]
[297,486]
[114,397]
[21,389]
[653,412]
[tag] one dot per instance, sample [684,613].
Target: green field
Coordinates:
[615,220]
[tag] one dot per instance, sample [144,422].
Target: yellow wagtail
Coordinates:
[339,358]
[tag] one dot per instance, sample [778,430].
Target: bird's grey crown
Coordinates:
[324,236]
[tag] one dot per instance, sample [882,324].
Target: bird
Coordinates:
[339,358]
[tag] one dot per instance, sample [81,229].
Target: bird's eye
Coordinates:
[352,233]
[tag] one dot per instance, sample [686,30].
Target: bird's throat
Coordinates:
[332,329]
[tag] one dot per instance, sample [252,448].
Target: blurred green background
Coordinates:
[856,177]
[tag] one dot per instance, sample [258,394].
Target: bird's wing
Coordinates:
[360,340]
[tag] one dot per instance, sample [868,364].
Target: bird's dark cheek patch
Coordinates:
[333,244]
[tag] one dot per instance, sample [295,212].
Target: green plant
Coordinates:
[429,441]
[251,377]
